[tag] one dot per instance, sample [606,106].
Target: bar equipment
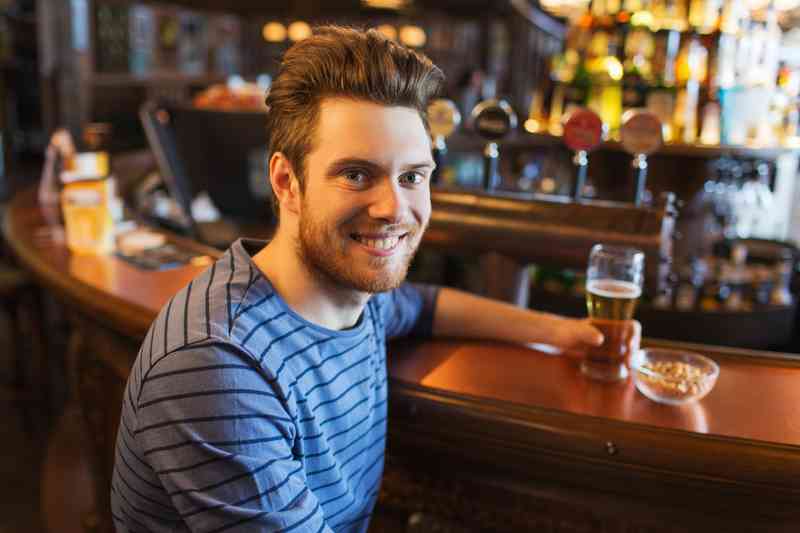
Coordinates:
[443,119]
[583,131]
[493,120]
[641,135]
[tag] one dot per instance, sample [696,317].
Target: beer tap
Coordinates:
[492,120]
[443,119]
[641,135]
[583,131]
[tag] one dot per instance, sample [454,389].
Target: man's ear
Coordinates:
[285,185]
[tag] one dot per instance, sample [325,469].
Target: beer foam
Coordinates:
[612,288]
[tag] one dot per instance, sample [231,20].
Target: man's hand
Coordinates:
[582,337]
[575,335]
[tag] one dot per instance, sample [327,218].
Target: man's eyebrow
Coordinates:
[345,162]
[415,166]
[340,164]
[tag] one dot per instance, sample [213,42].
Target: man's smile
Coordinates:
[382,244]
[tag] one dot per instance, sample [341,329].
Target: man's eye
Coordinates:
[412,178]
[355,176]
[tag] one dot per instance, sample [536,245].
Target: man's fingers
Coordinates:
[591,335]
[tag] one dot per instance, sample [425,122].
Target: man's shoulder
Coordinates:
[206,310]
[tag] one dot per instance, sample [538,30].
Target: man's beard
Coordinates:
[323,249]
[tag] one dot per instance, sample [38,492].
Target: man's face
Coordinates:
[366,201]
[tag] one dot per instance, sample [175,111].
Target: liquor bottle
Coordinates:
[662,94]
[690,281]
[193,43]
[663,299]
[733,275]
[569,78]
[760,285]
[704,15]
[112,37]
[637,68]
[782,278]
[691,71]
[674,15]
[605,71]
[764,225]
[724,287]
[709,301]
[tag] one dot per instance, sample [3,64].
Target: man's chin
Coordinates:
[376,283]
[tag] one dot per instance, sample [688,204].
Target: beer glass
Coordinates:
[613,287]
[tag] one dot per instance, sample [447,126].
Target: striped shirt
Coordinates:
[240,415]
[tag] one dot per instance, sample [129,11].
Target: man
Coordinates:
[258,400]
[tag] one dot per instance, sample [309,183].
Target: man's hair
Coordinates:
[342,62]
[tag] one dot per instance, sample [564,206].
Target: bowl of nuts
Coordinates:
[673,377]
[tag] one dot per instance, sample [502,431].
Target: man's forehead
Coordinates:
[354,108]
[359,128]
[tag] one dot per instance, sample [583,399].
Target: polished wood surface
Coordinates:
[545,445]
[750,400]
[111,287]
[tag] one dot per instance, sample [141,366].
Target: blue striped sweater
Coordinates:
[240,415]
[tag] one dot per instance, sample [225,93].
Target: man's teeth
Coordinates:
[380,244]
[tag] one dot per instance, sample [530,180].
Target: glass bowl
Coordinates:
[673,377]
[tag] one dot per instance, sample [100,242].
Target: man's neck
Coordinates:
[313,298]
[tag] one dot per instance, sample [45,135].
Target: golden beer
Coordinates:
[611,299]
[611,304]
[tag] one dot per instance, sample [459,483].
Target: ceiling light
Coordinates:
[386,4]
[274,32]
[299,30]
[388,31]
[413,36]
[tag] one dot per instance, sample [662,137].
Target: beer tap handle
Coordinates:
[439,158]
[443,119]
[581,161]
[641,134]
[640,170]
[491,167]
[492,120]
[583,131]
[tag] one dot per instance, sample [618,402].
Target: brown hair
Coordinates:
[342,62]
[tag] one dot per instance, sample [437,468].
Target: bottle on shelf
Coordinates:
[781,281]
[661,96]
[691,71]
[734,275]
[638,73]
[690,281]
[605,73]
[760,286]
[709,301]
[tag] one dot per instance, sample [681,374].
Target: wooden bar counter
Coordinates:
[483,436]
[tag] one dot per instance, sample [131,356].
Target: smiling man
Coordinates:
[258,399]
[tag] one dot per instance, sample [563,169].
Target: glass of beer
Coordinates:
[613,287]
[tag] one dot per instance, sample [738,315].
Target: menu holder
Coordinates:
[443,119]
[492,120]
[583,132]
[641,135]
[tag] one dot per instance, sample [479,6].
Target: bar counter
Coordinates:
[483,436]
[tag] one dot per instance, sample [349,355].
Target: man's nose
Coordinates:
[389,203]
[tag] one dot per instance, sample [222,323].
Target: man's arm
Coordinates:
[220,440]
[460,314]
